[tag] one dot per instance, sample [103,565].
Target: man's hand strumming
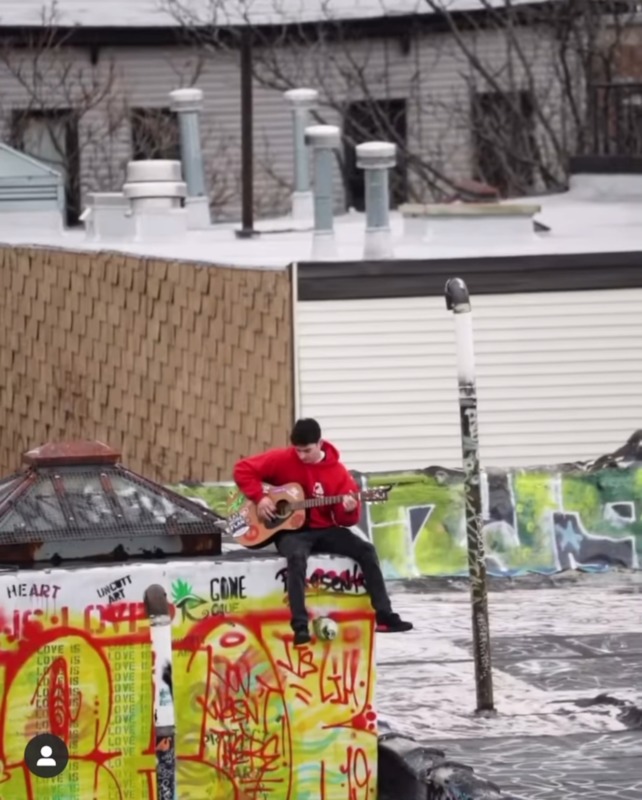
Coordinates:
[266,509]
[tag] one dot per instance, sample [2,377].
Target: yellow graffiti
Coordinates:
[256,718]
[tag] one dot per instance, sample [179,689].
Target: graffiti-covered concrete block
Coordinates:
[256,717]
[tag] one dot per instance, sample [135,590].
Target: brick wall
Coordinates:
[183,367]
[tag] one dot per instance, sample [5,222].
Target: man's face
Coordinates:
[310,453]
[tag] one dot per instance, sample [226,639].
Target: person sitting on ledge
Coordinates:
[315,465]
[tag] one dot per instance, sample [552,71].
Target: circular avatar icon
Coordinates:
[46,755]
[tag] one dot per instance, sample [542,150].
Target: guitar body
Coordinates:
[247,529]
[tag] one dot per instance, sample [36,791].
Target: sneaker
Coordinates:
[302,637]
[392,623]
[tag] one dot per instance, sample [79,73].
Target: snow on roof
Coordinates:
[579,222]
[162,13]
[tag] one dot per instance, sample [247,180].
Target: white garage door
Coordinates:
[559,377]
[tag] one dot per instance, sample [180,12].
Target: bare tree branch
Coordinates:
[516,110]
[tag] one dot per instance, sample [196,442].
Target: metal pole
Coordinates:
[458,301]
[247,178]
[157,608]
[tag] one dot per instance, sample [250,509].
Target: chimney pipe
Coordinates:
[188,103]
[323,139]
[301,101]
[376,158]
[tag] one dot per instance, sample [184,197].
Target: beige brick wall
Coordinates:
[183,367]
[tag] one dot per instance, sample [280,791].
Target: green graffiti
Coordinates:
[184,598]
[180,590]
[534,520]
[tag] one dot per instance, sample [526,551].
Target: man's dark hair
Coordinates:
[305,432]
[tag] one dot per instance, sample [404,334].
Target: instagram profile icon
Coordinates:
[46,755]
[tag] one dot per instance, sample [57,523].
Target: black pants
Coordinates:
[297,546]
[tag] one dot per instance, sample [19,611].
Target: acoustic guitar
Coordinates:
[246,528]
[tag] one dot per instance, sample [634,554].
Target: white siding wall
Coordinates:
[431,77]
[559,377]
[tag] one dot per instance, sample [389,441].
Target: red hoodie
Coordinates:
[327,477]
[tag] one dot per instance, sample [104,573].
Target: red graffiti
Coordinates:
[117,618]
[238,697]
[340,677]
[247,708]
[358,774]
[59,698]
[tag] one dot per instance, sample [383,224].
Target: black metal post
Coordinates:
[157,609]
[247,177]
[458,301]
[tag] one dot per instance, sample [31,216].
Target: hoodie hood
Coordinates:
[332,455]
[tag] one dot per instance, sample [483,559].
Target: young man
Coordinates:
[315,465]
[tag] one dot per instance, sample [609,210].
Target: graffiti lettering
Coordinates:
[359,773]
[240,697]
[115,590]
[228,588]
[298,662]
[45,590]
[340,677]
[348,580]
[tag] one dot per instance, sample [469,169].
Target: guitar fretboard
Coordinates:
[315,502]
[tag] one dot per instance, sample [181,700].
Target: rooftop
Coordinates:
[161,13]
[589,218]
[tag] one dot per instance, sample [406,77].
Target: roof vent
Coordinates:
[301,101]
[108,216]
[32,195]
[188,105]
[156,192]
[376,159]
[323,141]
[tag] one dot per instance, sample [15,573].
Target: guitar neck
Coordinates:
[315,502]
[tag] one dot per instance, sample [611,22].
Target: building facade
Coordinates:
[461,99]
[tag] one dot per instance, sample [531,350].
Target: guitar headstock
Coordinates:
[378,494]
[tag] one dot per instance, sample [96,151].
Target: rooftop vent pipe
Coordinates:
[301,101]
[323,139]
[188,103]
[376,159]
[108,216]
[155,191]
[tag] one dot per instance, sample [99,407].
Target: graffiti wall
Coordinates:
[256,718]
[586,516]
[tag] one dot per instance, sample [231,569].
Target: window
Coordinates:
[370,120]
[51,137]
[155,134]
[503,139]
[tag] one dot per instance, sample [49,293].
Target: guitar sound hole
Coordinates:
[283,509]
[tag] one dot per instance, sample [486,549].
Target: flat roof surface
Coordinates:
[163,13]
[580,221]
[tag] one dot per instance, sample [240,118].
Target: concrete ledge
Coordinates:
[409,771]
[427,210]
